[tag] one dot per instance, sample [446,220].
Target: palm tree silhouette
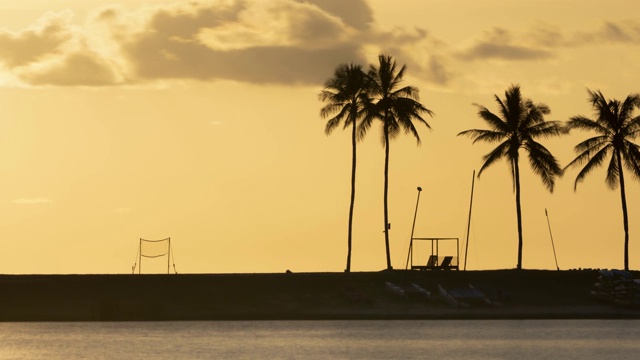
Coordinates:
[397,107]
[345,95]
[519,122]
[615,128]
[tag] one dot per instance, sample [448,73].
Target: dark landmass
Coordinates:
[525,294]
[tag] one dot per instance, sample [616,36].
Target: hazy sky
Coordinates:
[199,121]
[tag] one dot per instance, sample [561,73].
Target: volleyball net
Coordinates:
[153,251]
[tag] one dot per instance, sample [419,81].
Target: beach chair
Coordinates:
[446,263]
[433,262]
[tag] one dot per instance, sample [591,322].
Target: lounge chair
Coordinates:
[446,263]
[433,262]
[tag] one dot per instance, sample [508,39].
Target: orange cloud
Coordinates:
[75,69]
[45,38]
[282,41]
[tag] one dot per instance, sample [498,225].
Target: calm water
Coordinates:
[510,339]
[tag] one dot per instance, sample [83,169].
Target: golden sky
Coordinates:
[199,121]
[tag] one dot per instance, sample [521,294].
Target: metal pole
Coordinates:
[458,254]
[169,256]
[466,249]
[140,257]
[415,215]
[551,235]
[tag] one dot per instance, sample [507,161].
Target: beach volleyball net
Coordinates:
[154,251]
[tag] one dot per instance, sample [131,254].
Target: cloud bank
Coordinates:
[288,42]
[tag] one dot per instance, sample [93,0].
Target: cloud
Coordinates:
[75,69]
[287,42]
[32,201]
[47,37]
[280,41]
[355,13]
[424,55]
[54,52]
[438,72]
[543,41]
[277,23]
[610,33]
[498,43]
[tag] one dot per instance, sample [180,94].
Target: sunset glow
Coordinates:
[199,121]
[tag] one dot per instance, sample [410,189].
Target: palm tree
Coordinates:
[345,95]
[397,107]
[519,122]
[615,128]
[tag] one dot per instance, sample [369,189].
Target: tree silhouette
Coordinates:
[396,107]
[616,128]
[345,95]
[519,122]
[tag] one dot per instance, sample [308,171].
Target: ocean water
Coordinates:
[414,339]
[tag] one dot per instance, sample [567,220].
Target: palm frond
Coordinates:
[633,128]
[631,158]
[409,92]
[504,111]
[584,123]
[393,128]
[597,100]
[543,163]
[493,156]
[532,114]
[630,103]
[329,109]
[407,110]
[370,113]
[613,171]
[493,120]
[484,135]
[334,122]
[546,129]
[592,145]
[592,162]
[515,106]
[544,109]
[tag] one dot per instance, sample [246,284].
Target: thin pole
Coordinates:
[140,257]
[169,256]
[551,235]
[415,215]
[466,250]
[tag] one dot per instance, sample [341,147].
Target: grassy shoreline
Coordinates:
[525,294]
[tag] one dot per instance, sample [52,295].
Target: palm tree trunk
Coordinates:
[386,193]
[516,171]
[625,216]
[353,195]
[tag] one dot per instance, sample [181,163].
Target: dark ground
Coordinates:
[525,294]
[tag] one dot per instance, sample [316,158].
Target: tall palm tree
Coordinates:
[396,107]
[616,128]
[519,122]
[345,95]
